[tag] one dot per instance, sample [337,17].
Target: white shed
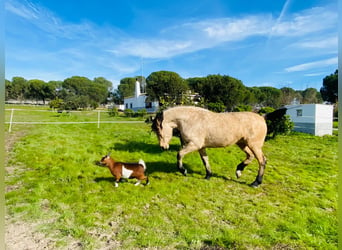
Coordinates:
[140,101]
[316,119]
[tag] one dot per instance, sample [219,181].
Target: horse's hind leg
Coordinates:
[262,164]
[249,159]
[205,160]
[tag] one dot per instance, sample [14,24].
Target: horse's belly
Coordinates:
[218,141]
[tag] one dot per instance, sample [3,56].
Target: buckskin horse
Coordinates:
[200,129]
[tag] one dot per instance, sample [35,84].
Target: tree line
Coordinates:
[222,92]
[216,92]
[73,93]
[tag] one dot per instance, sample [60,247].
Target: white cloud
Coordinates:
[330,42]
[152,48]
[306,22]
[313,65]
[25,11]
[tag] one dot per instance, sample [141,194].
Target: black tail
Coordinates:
[275,115]
[274,122]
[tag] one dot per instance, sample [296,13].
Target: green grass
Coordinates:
[56,181]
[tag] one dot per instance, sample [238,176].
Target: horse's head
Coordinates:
[163,130]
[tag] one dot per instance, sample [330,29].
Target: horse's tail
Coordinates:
[141,162]
[275,115]
[272,121]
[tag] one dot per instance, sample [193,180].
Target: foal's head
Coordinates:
[163,130]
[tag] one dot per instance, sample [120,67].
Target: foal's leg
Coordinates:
[188,148]
[205,160]
[249,159]
[262,164]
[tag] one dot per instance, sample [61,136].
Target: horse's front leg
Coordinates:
[205,160]
[188,148]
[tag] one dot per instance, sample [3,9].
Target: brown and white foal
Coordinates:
[125,170]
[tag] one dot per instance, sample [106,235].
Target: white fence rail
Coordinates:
[11,121]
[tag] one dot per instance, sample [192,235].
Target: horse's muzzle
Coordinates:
[164,148]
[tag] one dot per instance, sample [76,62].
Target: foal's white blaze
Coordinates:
[126,173]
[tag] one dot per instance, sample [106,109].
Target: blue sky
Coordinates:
[290,43]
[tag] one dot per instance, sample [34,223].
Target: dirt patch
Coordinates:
[20,234]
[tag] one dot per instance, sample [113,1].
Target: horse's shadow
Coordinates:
[136,146]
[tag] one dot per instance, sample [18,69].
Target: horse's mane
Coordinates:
[157,121]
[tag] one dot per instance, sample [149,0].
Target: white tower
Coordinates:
[137,88]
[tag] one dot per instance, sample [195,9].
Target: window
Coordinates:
[148,105]
[299,112]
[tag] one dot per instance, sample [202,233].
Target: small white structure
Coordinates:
[316,119]
[140,101]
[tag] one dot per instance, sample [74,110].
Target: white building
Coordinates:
[316,119]
[140,101]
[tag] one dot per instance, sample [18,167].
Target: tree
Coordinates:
[81,92]
[39,90]
[269,96]
[165,86]
[311,95]
[329,90]
[288,95]
[126,87]
[19,88]
[196,83]
[77,85]
[223,89]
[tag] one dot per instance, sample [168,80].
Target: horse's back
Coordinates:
[236,126]
[219,129]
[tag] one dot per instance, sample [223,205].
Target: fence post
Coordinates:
[11,119]
[98,118]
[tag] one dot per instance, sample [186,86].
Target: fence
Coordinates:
[96,119]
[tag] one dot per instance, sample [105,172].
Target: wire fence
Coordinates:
[69,117]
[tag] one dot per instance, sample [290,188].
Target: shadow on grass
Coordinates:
[134,146]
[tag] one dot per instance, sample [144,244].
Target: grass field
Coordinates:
[53,182]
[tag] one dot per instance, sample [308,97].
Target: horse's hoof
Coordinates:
[238,173]
[183,171]
[207,177]
[255,184]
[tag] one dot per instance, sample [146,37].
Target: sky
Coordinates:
[277,43]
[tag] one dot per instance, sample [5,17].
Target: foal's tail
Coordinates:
[141,162]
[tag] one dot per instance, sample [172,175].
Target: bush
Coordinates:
[113,112]
[216,107]
[57,104]
[141,113]
[129,112]
[242,107]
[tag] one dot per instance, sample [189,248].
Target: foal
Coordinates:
[125,170]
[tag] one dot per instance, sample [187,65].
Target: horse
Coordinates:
[200,129]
